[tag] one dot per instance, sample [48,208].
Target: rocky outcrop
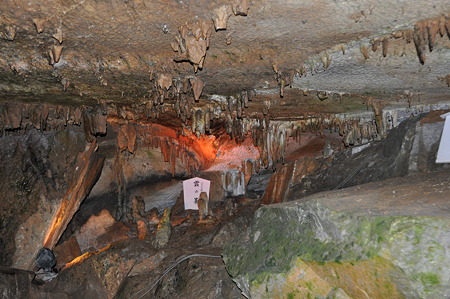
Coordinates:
[410,147]
[87,170]
[36,169]
[379,240]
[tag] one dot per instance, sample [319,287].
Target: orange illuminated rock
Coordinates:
[89,167]
[278,187]
[126,138]
[142,229]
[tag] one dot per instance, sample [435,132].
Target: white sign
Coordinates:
[192,189]
[443,155]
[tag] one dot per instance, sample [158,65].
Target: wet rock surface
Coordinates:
[399,225]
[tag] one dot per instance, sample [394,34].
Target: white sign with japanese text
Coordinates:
[443,154]
[192,189]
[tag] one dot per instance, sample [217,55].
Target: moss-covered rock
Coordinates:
[310,249]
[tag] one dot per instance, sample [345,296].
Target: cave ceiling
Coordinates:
[303,56]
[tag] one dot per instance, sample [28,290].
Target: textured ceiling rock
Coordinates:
[84,51]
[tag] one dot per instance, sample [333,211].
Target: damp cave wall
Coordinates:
[35,171]
[38,165]
[410,147]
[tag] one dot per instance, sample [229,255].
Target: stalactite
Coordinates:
[365,51]
[200,128]
[127,138]
[239,107]
[432,30]
[245,98]
[420,40]
[375,44]
[385,46]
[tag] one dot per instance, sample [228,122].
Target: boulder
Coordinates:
[101,230]
[386,239]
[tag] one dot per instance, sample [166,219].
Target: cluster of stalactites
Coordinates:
[192,42]
[171,149]
[271,136]
[423,35]
[184,92]
[22,116]
[198,120]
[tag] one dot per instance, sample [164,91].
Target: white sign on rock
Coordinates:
[192,189]
[443,154]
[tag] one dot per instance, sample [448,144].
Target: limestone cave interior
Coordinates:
[314,130]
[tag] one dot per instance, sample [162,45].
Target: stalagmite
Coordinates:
[203,207]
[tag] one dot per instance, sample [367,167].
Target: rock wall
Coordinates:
[410,147]
[36,169]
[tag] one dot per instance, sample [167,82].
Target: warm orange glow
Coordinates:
[88,166]
[79,259]
[203,147]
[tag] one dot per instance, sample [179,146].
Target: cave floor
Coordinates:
[129,268]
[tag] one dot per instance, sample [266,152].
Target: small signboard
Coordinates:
[443,155]
[192,189]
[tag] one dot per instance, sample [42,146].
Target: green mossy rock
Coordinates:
[312,248]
